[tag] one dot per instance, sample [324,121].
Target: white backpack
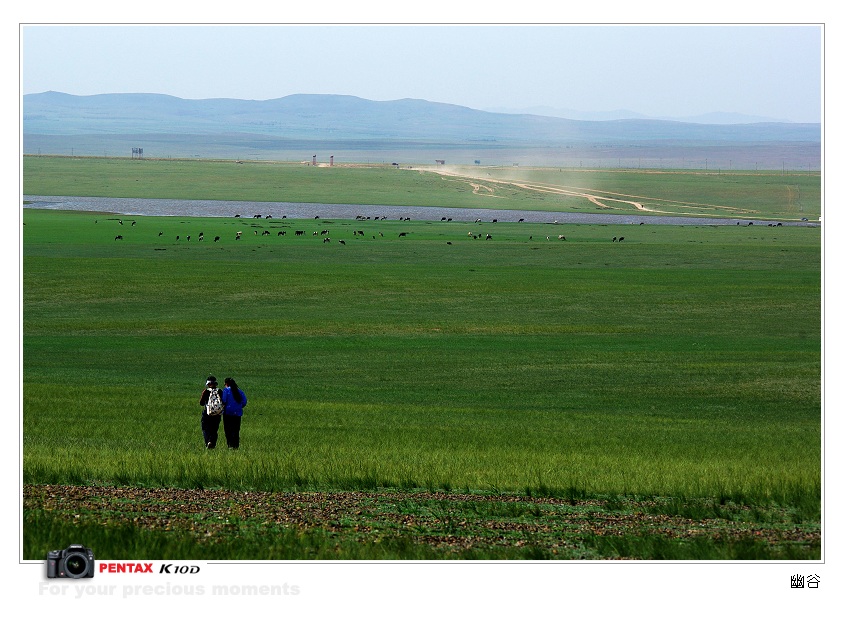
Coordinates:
[214,405]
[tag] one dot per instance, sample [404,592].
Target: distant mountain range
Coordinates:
[714,117]
[336,117]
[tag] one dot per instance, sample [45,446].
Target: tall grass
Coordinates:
[685,361]
[47,531]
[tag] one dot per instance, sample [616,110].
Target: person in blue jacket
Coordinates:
[235,400]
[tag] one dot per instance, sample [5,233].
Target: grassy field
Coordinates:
[749,194]
[674,375]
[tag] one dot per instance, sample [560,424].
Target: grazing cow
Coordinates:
[621,239]
[342,242]
[176,238]
[121,222]
[326,240]
[236,215]
[495,220]
[561,237]
[487,236]
[160,233]
[614,239]
[521,220]
[216,239]
[402,234]
[188,238]
[324,232]
[134,222]
[299,233]
[280,233]
[119,237]
[450,242]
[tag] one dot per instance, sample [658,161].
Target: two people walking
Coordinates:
[225,406]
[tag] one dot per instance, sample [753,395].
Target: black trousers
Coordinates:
[210,429]
[231,425]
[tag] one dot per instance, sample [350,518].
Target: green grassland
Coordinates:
[753,195]
[681,364]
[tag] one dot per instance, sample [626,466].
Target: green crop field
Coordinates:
[422,396]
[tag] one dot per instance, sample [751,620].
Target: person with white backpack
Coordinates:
[212,407]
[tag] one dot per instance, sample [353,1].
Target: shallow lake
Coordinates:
[247,209]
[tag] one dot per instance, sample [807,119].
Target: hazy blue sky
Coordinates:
[661,70]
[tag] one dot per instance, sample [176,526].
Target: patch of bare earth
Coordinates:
[438,519]
[600,198]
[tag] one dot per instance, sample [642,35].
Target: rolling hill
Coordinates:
[336,117]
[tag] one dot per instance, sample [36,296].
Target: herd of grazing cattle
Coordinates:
[359,233]
[325,233]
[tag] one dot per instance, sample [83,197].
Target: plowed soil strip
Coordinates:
[439,519]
